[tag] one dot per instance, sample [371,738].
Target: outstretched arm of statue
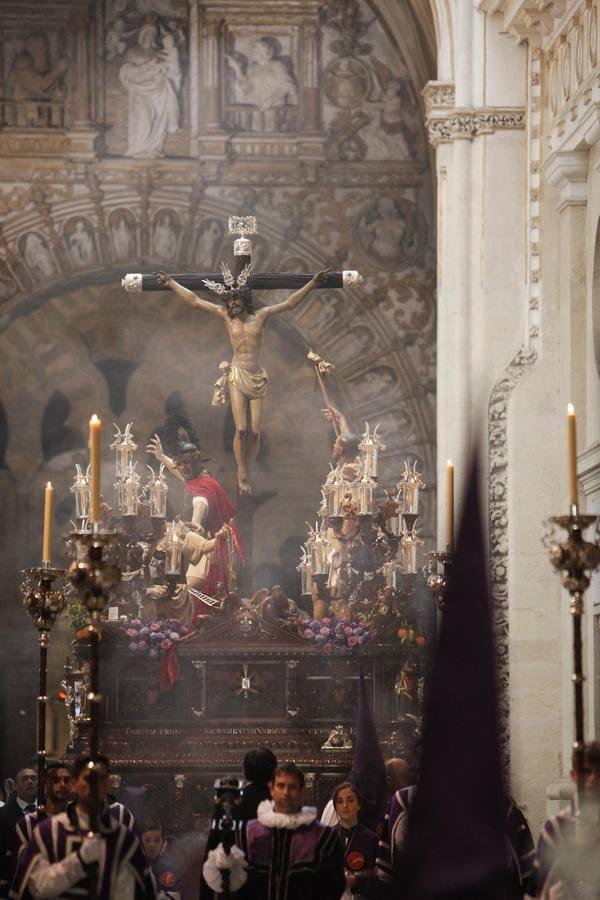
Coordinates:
[334,415]
[189,296]
[156,449]
[294,299]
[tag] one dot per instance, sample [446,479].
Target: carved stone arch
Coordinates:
[39,358]
[58,436]
[417,23]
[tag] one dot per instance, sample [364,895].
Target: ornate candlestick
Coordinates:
[407,551]
[437,581]
[408,489]
[129,491]
[318,545]
[44,604]
[157,490]
[124,447]
[173,547]
[93,576]
[370,447]
[305,569]
[576,558]
[81,489]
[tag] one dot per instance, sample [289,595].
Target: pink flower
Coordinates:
[136,622]
[347,630]
[352,641]
[131,632]
[166,644]
[326,621]
[324,632]
[154,626]
[308,633]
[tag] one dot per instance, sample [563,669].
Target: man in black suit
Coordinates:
[21,802]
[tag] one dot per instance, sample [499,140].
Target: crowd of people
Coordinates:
[263,842]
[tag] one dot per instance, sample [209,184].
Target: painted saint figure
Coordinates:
[266,83]
[246,379]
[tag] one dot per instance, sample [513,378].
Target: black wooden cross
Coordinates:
[263,281]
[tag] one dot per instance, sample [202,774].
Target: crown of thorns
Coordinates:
[231,285]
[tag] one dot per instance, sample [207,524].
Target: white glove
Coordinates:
[218,860]
[90,849]
[156,592]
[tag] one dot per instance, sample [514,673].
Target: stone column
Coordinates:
[212,140]
[569,170]
[310,34]
[81,81]
[311,143]
[211,75]
[81,84]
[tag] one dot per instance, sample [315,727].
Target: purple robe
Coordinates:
[59,836]
[304,863]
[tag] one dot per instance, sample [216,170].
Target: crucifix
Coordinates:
[245,378]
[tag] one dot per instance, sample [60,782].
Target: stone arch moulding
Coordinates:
[419,23]
[27,389]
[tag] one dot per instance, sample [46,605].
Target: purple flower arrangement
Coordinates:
[153,638]
[331,634]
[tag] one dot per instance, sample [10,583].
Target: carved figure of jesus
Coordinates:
[247,380]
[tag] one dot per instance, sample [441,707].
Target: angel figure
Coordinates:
[246,379]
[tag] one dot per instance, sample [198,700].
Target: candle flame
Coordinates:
[570,409]
[94,420]
[48,484]
[449,464]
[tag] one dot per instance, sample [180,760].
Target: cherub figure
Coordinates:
[247,380]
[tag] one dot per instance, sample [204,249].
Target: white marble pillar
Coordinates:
[568,171]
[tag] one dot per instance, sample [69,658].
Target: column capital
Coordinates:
[446,122]
[438,95]
[568,171]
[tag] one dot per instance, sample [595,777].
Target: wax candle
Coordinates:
[47,542]
[572,453]
[95,435]
[449,505]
